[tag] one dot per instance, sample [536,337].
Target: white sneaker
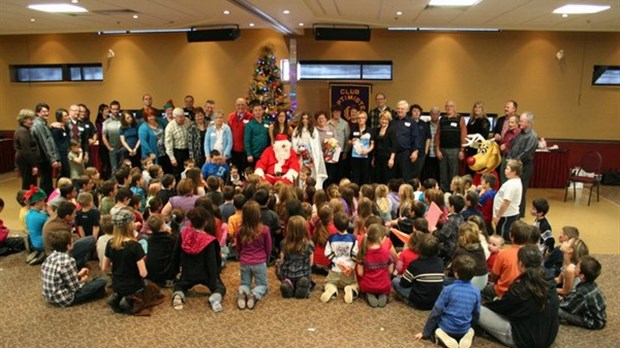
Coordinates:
[177,302]
[467,340]
[446,339]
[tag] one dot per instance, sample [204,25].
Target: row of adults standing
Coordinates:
[369,147]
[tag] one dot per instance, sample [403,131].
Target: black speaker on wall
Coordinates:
[335,33]
[220,34]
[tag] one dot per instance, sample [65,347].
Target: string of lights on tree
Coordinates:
[266,86]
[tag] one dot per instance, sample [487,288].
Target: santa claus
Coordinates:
[278,162]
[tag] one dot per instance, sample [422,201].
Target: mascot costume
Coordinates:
[278,162]
[486,160]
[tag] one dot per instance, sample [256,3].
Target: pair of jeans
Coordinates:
[259,273]
[90,291]
[82,249]
[496,325]
[116,158]
[402,291]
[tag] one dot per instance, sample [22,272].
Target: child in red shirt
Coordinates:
[375,267]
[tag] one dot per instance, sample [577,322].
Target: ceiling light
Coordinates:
[301,24]
[226,12]
[581,9]
[453,3]
[251,24]
[57,8]
[399,13]
[74,1]
[403,28]
[33,20]
[286,11]
[458,29]
[136,16]
[564,15]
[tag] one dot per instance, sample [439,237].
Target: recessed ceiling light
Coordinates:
[251,24]
[74,1]
[564,15]
[399,13]
[226,12]
[57,8]
[286,11]
[301,24]
[453,3]
[581,9]
[136,16]
[33,20]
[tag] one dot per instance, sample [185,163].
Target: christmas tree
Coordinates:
[266,87]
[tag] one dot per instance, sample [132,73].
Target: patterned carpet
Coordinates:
[27,321]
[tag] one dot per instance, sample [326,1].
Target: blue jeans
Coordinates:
[404,292]
[259,272]
[116,157]
[82,249]
[90,291]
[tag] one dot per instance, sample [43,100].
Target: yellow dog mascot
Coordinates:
[486,160]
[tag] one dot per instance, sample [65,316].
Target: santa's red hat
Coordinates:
[281,137]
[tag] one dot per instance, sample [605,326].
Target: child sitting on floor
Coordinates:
[573,250]
[106,229]
[124,257]
[341,249]
[296,260]
[254,246]
[456,309]
[375,267]
[200,261]
[585,305]
[9,245]
[422,282]
[496,242]
[87,218]
[35,219]
[161,264]
[63,285]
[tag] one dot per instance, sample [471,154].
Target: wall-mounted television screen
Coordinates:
[606,75]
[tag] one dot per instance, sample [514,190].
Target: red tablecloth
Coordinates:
[550,169]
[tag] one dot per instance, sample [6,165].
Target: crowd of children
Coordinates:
[150,232]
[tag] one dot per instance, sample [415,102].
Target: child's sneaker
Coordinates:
[177,302]
[286,288]
[349,294]
[330,292]
[251,302]
[241,300]
[303,288]
[467,340]
[31,256]
[446,339]
[38,259]
[372,300]
[216,302]
[382,299]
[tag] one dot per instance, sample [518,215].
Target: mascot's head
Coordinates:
[282,147]
[488,156]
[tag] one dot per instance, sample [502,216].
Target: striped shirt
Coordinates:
[341,249]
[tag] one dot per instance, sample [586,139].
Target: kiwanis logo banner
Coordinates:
[348,95]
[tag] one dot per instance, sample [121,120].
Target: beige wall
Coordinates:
[428,69]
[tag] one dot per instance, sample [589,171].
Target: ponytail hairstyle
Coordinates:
[176,220]
[296,235]
[373,236]
[326,215]
[251,225]
[532,282]
[580,249]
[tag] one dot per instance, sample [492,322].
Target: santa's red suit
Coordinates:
[278,162]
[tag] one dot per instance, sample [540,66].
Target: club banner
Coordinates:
[349,95]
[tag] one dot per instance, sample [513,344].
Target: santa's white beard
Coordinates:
[282,151]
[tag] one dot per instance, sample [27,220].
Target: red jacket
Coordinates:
[237,127]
